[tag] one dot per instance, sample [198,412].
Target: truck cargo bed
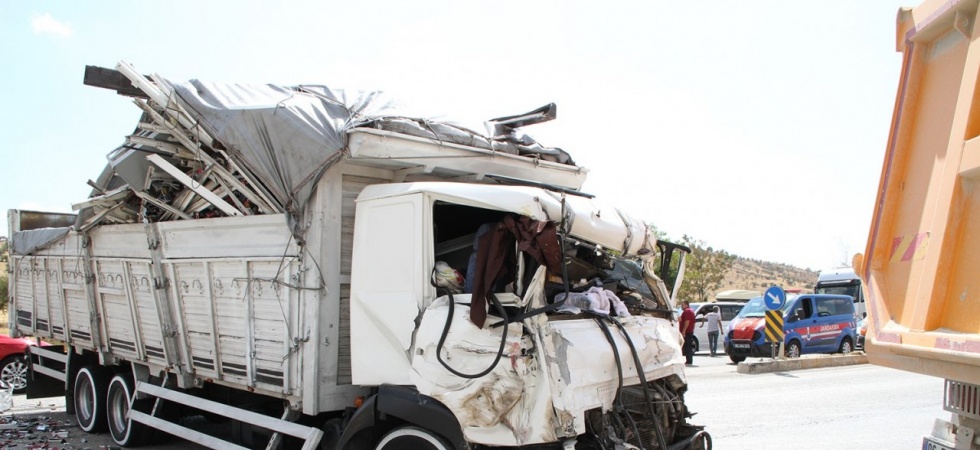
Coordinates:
[923,254]
[235,283]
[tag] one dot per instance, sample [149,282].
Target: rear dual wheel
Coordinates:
[102,402]
[119,395]
[91,384]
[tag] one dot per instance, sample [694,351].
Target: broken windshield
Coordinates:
[632,288]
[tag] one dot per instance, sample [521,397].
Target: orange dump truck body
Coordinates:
[922,263]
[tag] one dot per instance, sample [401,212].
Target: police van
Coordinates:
[812,323]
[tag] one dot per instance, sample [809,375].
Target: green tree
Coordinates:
[704,270]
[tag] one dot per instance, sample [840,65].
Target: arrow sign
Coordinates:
[775,297]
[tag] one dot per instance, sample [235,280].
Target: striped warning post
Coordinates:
[774,326]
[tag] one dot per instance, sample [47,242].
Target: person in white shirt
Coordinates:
[713,319]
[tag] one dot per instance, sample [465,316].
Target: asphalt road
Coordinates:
[43,424]
[858,407]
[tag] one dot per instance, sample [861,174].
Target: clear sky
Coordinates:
[756,127]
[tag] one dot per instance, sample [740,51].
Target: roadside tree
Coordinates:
[704,270]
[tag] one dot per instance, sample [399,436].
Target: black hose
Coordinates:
[643,382]
[445,332]
[670,405]
[619,362]
[620,426]
[591,429]
[618,400]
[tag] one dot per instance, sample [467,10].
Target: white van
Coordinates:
[728,311]
[842,281]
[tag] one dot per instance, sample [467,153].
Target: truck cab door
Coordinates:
[389,282]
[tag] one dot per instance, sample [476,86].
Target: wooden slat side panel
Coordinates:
[79,314]
[117,316]
[343,358]
[39,275]
[190,285]
[270,308]
[24,291]
[352,187]
[229,280]
[78,310]
[56,300]
[141,288]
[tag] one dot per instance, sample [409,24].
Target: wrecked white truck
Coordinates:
[329,274]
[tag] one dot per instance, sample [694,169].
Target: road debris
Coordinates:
[36,433]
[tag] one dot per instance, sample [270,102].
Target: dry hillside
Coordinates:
[755,275]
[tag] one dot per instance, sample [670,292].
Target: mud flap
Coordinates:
[46,377]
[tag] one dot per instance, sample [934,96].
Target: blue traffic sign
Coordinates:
[775,297]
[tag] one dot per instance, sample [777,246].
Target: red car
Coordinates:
[13,361]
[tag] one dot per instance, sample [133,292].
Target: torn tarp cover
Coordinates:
[29,241]
[285,136]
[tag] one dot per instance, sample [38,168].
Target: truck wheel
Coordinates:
[89,399]
[793,349]
[845,346]
[125,432]
[332,429]
[412,438]
[13,371]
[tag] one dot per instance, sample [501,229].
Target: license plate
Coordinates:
[741,345]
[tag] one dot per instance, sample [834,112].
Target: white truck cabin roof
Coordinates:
[590,219]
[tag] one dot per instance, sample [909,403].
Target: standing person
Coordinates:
[713,319]
[687,329]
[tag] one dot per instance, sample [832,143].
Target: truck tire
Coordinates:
[89,399]
[332,429]
[412,438]
[125,432]
[13,371]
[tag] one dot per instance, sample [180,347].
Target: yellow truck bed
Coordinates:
[922,263]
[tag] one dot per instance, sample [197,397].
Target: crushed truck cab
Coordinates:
[542,362]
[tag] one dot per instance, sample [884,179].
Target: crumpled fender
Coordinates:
[409,405]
